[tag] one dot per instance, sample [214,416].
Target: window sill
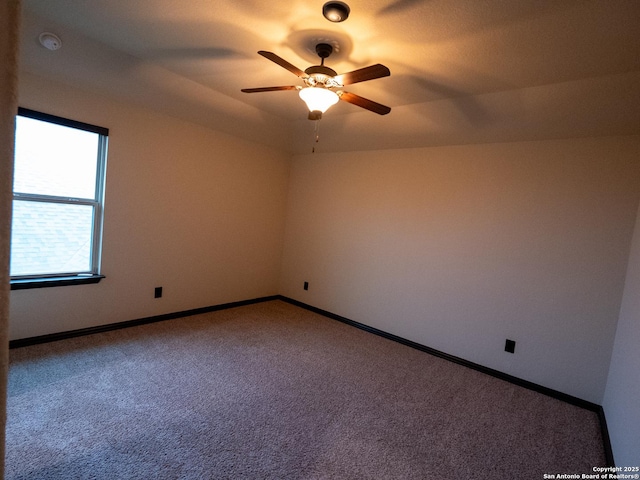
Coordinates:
[44,282]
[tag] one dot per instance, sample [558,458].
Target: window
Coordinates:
[58,192]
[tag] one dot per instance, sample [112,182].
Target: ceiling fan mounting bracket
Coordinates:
[304,43]
[324,50]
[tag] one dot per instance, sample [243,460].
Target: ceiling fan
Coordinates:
[323,86]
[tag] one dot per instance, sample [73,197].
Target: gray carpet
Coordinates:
[272,391]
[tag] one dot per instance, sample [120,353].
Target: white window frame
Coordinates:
[93,275]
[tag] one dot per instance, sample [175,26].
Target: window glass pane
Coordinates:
[52,159]
[49,238]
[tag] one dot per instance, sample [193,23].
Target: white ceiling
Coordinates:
[462,71]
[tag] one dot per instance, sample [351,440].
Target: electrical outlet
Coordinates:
[306,285]
[158,292]
[510,346]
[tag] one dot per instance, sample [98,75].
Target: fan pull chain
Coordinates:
[316,135]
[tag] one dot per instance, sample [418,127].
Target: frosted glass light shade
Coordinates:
[318,99]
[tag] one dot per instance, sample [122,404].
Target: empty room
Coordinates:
[395,239]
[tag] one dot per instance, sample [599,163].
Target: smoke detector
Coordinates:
[50,41]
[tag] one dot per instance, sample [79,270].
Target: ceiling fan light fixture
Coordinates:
[336,11]
[318,99]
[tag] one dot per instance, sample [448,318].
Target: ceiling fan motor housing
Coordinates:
[319,75]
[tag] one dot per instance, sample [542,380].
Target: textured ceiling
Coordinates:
[462,71]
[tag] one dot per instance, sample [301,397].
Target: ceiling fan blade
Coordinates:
[365,103]
[269,89]
[283,63]
[363,74]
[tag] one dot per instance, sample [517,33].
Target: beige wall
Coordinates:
[621,404]
[459,248]
[197,212]
[456,248]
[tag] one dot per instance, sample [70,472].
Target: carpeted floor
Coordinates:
[273,391]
